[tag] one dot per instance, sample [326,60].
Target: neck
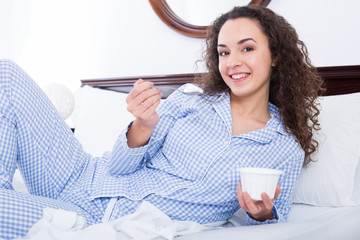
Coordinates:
[255,108]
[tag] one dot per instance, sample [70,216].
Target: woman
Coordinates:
[256,58]
[182,158]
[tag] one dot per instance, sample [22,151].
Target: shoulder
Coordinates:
[284,134]
[191,88]
[185,94]
[277,121]
[187,90]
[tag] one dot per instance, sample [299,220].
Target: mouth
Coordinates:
[239,76]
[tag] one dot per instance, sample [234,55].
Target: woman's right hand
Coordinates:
[142,102]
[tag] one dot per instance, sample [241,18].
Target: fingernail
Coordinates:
[264,195]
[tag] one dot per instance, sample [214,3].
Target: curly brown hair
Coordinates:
[294,82]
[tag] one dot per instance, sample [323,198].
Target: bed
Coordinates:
[326,204]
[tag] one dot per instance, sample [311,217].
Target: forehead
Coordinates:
[240,28]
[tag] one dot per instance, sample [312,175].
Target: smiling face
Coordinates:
[244,59]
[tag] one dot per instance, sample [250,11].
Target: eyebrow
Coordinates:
[239,42]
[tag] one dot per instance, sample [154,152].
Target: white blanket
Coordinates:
[148,222]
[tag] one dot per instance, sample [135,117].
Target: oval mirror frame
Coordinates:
[168,16]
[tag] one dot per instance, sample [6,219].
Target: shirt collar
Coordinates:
[221,104]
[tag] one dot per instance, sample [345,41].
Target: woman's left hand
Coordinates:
[258,210]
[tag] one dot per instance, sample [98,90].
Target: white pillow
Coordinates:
[99,117]
[334,179]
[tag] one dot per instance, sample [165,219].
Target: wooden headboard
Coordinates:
[338,80]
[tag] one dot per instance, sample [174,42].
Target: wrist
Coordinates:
[138,134]
[262,217]
[142,126]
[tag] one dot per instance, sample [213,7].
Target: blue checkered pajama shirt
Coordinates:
[189,168]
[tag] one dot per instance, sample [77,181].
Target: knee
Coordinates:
[12,74]
[8,68]
[7,64]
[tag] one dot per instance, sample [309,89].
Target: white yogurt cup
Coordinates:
[258,180]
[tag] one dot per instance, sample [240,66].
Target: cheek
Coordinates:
[222,67]
[262,63]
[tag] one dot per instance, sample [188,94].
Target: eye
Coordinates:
[247,49]
[223,53]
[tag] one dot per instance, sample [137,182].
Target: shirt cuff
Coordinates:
[251,221]
[124,160]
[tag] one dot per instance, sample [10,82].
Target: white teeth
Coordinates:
[238,76]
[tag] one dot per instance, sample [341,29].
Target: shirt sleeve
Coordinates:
[282,205]
[124,160]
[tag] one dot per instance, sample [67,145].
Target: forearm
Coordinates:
[138,135]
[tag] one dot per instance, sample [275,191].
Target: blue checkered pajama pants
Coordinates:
[34,138]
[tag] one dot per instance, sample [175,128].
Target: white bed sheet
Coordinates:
[305,222]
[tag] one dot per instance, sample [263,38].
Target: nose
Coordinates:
[234,60]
